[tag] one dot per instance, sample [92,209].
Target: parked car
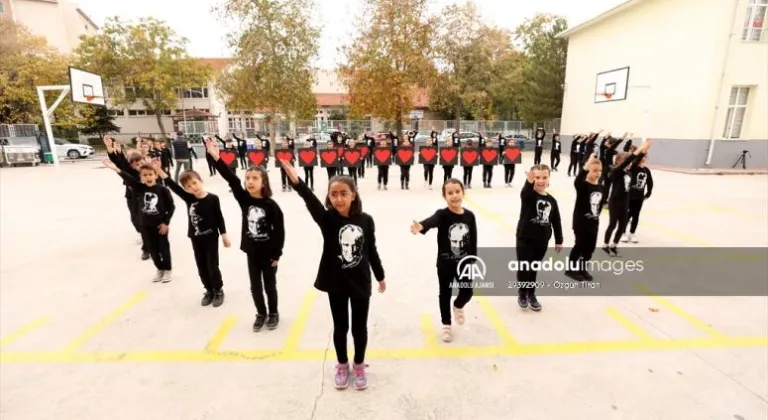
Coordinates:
[72,150]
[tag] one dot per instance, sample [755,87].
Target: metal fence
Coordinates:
[19,130]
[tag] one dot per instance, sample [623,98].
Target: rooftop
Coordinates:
[599,18]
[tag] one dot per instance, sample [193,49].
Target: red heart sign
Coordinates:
[307,156]
[512,153]
[469,156]
[329,156]
[405,154]
[352,156]
[227,156]
[448,154]
[382,155]
[364,151]
[428,153]
[256,157]
[284,155]
[339,150]
[490,155]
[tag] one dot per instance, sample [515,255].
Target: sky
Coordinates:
[193,19]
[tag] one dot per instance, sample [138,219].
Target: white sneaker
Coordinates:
[624,238]
[158,276]
[447,334]
[458,315]
[633,238]
[167,277]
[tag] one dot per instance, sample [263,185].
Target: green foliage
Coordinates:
[96,120]
[389,58]
[541,95]
[27,62]
[145,62]
[274,55]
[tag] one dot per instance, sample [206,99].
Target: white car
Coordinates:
[65,149]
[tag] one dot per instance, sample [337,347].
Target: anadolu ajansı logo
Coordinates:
[471,268]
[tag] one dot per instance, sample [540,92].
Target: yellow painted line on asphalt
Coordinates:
[221,334]
[300,323]
[105,322]
[629,325]
[681,313]
[495,319]
[21,332]
[430,332]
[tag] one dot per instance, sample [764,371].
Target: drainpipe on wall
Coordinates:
[724,67]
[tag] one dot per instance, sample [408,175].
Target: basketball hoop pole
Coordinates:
[48,113]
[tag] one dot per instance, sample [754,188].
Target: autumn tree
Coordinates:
[389,59]
[507,66]
[144,62]
[541,95]
[97,120]
[275,48]
[27,62]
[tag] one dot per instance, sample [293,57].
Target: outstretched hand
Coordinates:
[109,164]
[289,171]
[212,148]
[530,176]
[416,227]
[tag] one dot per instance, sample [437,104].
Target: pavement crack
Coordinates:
[322,377]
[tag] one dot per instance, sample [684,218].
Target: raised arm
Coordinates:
[234,182]
[373,253]
[315,207]
[527,190]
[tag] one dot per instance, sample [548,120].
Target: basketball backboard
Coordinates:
[86,87]
[612,85]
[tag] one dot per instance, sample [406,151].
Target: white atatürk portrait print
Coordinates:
[150,203]
[594,203]
[642,178]
[351,239]
[627,180]
[543,209]
[258,229]
[458,235]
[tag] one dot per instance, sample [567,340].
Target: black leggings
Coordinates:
[634,213]
[447,172]
[283,177]
[586,241]
[361,170]
[340,308]
[309,176]
[468,175]
[263,280]
[405,174]
[487,174]
[509,172]
[352,173]
[331,172]
[429,172]
[158,247]
[206,251]
[573,166]
[383,177]
[537,155]
[243,155]
[554,159]
[446,275]
[617,221]
[529,250]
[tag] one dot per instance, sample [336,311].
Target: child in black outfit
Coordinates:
[331,169]
[539,218]
[456,239]
[383,176]
[509,168]
[405,170]
[155,215]
[590,197]
[468,169]
[640,189]
[487,169]
[554,155]
[205,223]
[349,256]
[455,142]
[429,168]
[262,238]
[309,171]
[539,146]
[576,145]
[618,203]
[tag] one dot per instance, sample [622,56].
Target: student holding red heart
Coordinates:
[509,168]
[405,170]
[429,168]
[331,169]
[452,142]
[487,169]
[350,145]
[383,177]
[468,169]
[309,171]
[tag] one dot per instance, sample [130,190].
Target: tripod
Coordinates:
[742,159]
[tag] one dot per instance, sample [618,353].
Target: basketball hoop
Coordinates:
[90,98]
[607,95]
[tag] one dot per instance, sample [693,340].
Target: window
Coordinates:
[116,112]
[754,25]
[2,7]
[235,124]
[199,92]
[249,123]
[737,107]
[138,113]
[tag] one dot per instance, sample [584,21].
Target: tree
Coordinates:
[143,62]
[27,62]
[272,70]
[544,71]
[389,60]
[97,120]
[507,68]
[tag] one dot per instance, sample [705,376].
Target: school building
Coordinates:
[690,74]
[60,22]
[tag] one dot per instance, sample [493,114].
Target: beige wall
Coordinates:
[681,66]
[58,21]
[326,81]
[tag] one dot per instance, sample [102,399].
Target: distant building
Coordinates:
[60,22]
[682,72]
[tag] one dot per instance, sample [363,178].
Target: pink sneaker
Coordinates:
[341,380]
[361,379]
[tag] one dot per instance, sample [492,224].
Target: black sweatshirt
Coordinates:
[203,214]
[456,235]
[349,249]
[589,203]
[263,230]
[122,163]
[641,183]
[575,145]
[621,179]
[556,145]
[157,205]
[539,216]
[242,145]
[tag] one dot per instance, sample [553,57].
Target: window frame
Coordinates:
[731,113]
[750,33]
